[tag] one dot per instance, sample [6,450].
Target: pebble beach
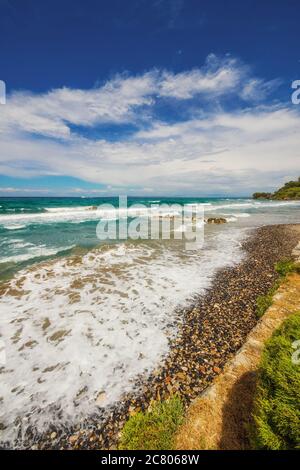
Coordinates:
[210,332]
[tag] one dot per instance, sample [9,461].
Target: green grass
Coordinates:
[263,302]
[286,266]
[277,402]
[283,267]
[155,429]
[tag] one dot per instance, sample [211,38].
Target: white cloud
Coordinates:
[223,151]
[50,114]
[224,147]
[257,89]
[216,78]
[23,190]
[122,99]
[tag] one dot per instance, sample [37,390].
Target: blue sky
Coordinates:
[179,97]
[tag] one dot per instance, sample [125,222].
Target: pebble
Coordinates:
[209,334]
[73,439]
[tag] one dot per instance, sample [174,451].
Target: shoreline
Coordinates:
[225,409]
[210,333]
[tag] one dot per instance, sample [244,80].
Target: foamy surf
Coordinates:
[33,252]
[81,214]
[80,330]
[78,214]
[13,226]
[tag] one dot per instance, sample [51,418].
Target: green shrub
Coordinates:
[291,190]
[262,195]
[277,402]
[263,302]
[285,267]
[153,430]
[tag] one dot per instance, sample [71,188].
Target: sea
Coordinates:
[81,318]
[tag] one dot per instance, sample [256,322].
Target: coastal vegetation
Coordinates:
[290,191]
[262,195]
[277,402]
[160,426]
[283,268]
[276,399]
[153,429]
[275,415]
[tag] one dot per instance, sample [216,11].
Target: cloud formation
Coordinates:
[212,150]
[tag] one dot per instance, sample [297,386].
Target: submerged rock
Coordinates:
[216,220]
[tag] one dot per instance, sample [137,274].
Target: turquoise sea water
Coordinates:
[33,229]
[81,319]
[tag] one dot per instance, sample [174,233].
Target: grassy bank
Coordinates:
[283,268]
[277,403]
[154,429]
[157,428]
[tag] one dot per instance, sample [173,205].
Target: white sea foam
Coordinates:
[20,244]
[80,214]
[70,209]
[33,252]
[238,215]
[88,327]
[252,204]
[85,213]
[14,226]
[12,222]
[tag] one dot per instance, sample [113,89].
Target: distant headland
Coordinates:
[290,191]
